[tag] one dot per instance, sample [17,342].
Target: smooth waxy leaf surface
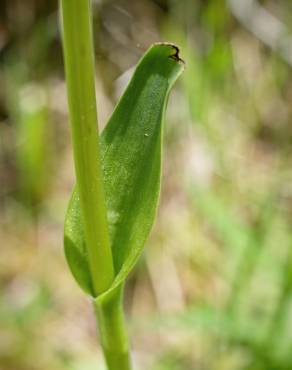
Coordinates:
[131,163]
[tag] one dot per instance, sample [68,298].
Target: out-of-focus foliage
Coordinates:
[218,266]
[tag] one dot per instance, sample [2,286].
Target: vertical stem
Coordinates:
[113,333]
[79,66]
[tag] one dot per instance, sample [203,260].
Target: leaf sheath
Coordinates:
[131,161]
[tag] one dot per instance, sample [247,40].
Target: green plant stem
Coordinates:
[79,65]
[113,333]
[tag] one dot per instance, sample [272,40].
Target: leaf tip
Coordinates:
[175,51]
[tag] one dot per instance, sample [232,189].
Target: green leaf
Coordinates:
[131,160]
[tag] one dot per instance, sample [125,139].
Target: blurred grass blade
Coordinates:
[131,161]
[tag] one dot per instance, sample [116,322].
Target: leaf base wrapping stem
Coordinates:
[112,329]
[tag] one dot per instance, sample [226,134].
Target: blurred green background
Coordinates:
[213,290]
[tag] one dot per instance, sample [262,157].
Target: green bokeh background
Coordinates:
[213,290]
